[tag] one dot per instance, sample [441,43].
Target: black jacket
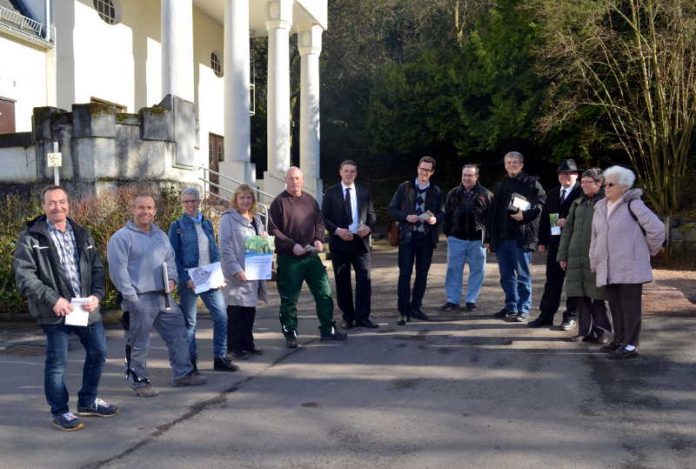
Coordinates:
[333,209]
[501,226]
[403,203]
[465,218]
[39,275]
[554,205]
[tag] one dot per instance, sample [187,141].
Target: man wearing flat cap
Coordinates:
[552,221]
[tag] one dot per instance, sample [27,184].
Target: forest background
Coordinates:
[601,81]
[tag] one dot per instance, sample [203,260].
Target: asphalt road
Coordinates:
[463,390]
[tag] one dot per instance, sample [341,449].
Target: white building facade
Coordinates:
[130,54]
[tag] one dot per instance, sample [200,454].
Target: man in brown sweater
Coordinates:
[296,222]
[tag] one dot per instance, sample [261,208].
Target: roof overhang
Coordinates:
[305,13]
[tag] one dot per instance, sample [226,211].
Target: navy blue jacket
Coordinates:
[184,239]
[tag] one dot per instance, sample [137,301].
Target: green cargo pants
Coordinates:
[292,271]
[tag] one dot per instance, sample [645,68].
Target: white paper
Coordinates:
[521,204]
[425,216]
[78,317]
[555,230]
[258,266]
[207,277]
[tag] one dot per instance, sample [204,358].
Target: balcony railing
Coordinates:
[18,22]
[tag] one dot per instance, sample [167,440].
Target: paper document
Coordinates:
[78,317]
[207,277]
[553,220]
[520,203]
[425,216]
[258,266]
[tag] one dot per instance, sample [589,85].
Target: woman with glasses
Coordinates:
[625,233]
[573,257]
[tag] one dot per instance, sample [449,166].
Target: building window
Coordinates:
[216,64]
[109,10]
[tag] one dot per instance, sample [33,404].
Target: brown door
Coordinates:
[216,154]
[7,116]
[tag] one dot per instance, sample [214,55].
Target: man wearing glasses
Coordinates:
[513,234]
[466,208]
[417,206]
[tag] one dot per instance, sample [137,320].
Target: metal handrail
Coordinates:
[263,213]
[18,21]
[205,170]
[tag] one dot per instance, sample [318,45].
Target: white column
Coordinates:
[237,102]
[279,21]
[177,48]
[309,45]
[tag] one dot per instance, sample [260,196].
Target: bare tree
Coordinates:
[636,61]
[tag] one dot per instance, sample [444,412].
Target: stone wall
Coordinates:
[102,148]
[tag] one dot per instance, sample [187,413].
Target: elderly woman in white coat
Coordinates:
[625,233]
[241,294]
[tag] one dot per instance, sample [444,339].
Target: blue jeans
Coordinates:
[215,302]
[459,252]
[515,275]
[93,340]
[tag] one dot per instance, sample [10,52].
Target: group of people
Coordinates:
[598,235]
[596,231]
[59,271]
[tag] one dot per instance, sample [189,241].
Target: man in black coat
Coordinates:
[417,206]
[349,216]
[513,234]
[552,221]
[57,268]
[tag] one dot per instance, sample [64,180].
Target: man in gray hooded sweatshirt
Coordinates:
[137,254]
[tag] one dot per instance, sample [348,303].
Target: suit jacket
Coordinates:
[554,205]
[333,209]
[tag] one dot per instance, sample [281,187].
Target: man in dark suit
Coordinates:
[349,216]
[552,221]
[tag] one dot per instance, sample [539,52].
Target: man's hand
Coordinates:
[364,230]
[319,246]
[560,222]
[518,216]
[62,307]
[298,250]
[172,285]
[542,248]
[190,285]
[432,220]
[344,234]
[412,218]
[241,276]
[563,264]
[92,304]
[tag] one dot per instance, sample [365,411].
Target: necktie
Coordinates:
[563,194]
[349,207]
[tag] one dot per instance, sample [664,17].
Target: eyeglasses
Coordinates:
[611,184]
[426,170]
[190,201]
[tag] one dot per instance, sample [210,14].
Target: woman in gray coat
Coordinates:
[241,294]
[573,257]
[625,233]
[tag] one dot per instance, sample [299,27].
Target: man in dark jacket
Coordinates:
[349,217]
[57,268]
[513,234]
[417,206]
[466,208]
[550,226]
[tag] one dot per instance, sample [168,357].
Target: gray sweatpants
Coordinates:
[149,311]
